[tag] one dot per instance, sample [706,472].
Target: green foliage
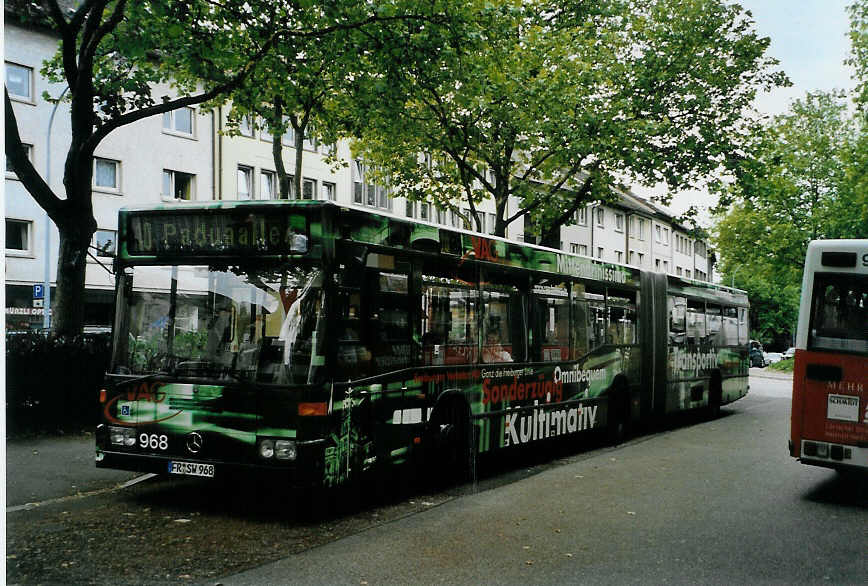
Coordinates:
[554,103]
[802,181]
[785,365]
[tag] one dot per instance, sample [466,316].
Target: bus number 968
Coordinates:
[153,441]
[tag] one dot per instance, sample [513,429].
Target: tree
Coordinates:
[555,103]
[290,91]
[114,53]
[799,183]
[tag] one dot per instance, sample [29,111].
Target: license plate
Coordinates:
[192,469]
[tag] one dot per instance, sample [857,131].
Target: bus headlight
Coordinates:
[122,436]
[266,448]
[285,450]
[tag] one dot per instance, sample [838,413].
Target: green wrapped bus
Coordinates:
[316,341]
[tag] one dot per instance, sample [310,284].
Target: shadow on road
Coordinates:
[258,500]
[849,489]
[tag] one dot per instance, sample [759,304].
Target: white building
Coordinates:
[185,155]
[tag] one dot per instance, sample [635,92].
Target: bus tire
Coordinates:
[618,424]
[448,455]
[715,395]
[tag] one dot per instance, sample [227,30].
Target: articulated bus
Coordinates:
[318,342]
[829,425]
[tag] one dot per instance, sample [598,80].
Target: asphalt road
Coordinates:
[55,468]
[718,502]
[700,502]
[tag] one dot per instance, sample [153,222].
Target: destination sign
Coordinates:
[212,232]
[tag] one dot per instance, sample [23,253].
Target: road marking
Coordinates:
[80,495]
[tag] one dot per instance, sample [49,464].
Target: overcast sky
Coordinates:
[809,38]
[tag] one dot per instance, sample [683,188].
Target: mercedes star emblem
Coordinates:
[194,442]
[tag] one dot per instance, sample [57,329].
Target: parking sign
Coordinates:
[38,291]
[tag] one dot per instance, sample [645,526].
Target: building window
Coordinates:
[425,211]
[245,126]
[266,185]
[19,81]
[105,243]
[105,173]
[619,222]
[244,180]
[658,233]
[619,256]
[601,217]
[641,228]
[442,217]
[327,149]
[599,252]
[583,249]
[657,263]
[632,257]
[18,235]
[492,223]
[686,273]
[574,248]
[180,121]
[290,194]
[455,218]
[666,236]
[329,191]
[178,185]
[410,209]
[288,136]
[582,216]
[365,193]
[308,189]
[678,271]
[309,143]
[28,150]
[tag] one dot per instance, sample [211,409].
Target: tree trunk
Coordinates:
[69,299]
[299,155]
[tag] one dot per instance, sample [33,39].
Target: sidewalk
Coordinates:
[51,467]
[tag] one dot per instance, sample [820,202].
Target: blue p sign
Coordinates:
[38,291]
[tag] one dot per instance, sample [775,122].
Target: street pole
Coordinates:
[46,280]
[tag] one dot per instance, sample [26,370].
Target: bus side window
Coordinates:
[622,317]
[388,326]
[580,333]
[352,353]
[695,321]
[714,324]
[730,326]
[449,319]
[550,320]
[504,322]
[677,319]
[743,330]
[596,297]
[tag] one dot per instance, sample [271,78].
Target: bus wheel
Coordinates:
[618,424]
[715,395]
[449,444]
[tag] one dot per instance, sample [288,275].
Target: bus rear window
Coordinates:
[839,315]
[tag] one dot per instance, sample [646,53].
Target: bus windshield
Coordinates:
[839,314]
[262,324]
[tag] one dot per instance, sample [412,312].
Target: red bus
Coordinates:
[829,425]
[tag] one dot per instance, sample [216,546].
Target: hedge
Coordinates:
[52,382]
